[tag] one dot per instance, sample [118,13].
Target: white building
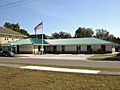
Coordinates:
[72,45]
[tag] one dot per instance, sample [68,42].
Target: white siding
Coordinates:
[109,48]
[50,48]
[83,47]
[70,48]
[59,48]
[26,48]
[95,47]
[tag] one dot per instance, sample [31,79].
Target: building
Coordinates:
[59,46]
[8,35]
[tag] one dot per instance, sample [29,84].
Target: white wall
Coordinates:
[83,47]
[70,48]
[30,48]
[59,48]
[95,47]
[26,48]
[109,47]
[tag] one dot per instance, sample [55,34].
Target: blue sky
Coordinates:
[64,15]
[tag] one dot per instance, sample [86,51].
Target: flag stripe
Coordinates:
[39,26]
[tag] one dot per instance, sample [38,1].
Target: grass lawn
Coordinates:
[108,57]
[20,79]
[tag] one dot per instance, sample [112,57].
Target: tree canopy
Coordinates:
[84,32]
[104,34]
[16,27]
[61,35]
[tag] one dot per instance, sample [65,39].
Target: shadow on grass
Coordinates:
[115,58]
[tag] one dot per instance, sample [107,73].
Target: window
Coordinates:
[103,47]
[39,47]
[78,48]
[88,47]
[54,48]
[63,48]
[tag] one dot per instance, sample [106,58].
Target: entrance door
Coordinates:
[88,47]
[54,48]
[63,48]
[78,48]
[103,47]
[39,47]
[18,49]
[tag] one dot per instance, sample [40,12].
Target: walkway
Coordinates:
[56,56]
[62,69]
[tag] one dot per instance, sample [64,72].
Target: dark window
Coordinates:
[78,48]
[63,48]
[54,48]
[18,49]
[39,47]
[103,47]
[89,48]
[45,48]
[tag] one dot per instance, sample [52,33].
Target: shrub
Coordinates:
[118,54]
[100,51]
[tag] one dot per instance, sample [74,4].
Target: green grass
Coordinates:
[20,79]
[108,57]
[71,67]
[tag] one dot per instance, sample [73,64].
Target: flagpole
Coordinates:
[42,40]
[35,33]
[35,37]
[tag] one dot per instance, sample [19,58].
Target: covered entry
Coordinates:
[28,46]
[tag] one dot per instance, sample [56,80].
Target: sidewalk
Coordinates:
[56,56]
[61,69]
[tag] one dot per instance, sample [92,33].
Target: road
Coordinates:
[86,63]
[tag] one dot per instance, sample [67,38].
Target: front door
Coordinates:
[78,48]
[54,48]
[88,47]
[18,49]
[103,47]
[63,48]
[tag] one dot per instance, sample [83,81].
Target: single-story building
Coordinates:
[72,45]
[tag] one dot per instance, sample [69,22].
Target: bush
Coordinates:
[118,54]
[100,51]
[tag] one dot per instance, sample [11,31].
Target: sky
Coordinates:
[62,15]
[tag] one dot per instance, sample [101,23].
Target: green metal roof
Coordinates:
[71,41]
[77,41]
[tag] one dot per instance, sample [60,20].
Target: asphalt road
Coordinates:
[106,64]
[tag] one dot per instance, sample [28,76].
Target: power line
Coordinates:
[13,4]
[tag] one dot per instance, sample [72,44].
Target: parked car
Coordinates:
[7,54]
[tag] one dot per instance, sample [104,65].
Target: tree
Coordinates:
[16,27]
[61,35]
[105,35]
[84,32]
[55,35]
[102,34]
